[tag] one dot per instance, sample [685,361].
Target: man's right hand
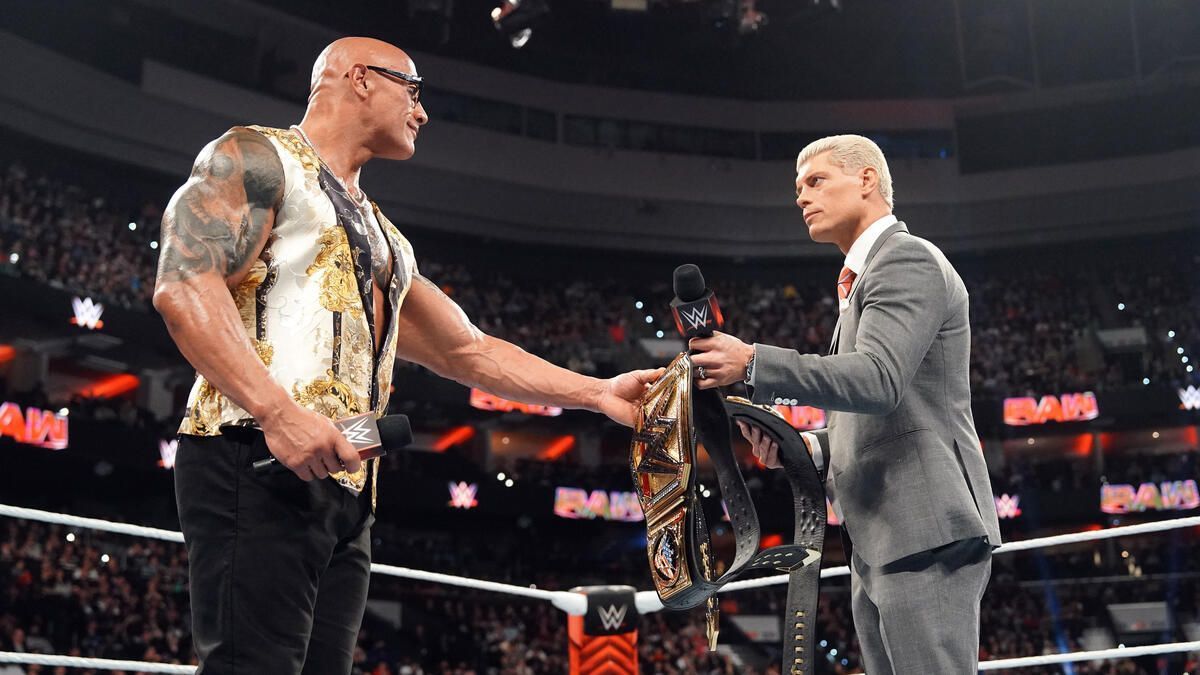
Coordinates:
[308,443]
[764,449]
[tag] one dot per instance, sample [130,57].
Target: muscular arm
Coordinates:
[213,229]
[446,342]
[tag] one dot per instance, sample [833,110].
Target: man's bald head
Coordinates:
[336,60]
[363,92]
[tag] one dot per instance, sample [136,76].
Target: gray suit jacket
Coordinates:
[903,461]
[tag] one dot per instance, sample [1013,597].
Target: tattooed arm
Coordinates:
[447,343]
[213,230]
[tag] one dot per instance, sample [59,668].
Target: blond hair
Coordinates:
[851,153]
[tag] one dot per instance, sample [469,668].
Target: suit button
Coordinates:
[778,401]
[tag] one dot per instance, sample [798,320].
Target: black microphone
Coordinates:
[369,437]
[695,307]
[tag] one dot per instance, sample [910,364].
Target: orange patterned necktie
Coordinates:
[845,283]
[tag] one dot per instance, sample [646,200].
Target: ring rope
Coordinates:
[1011,547]
[98,664]
[995,664]
[576,603]
[571,603]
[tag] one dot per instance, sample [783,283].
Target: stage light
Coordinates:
[515,19]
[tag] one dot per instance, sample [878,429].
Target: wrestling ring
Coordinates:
[575,604]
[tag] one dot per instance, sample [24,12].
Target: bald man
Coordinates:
[292,294]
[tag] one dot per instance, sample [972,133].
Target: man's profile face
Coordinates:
[393,107]
[831,199]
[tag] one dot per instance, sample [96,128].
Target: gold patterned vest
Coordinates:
[307,304]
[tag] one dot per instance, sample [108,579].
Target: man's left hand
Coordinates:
[723,359]
[623,392]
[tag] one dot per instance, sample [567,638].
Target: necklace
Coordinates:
[361,198]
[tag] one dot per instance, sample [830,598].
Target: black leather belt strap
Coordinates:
[675,418]
[801,560]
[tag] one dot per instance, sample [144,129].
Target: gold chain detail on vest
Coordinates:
[334,267]
[296,147]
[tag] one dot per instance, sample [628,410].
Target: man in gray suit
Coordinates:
[905,469]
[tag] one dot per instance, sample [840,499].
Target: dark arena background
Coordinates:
[1051,148]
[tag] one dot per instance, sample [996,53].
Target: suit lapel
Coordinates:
[837,329]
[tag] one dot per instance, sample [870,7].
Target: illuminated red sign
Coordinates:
[1026,411]
[1179,495]
[576,504]
[803,417]
[462,495]
[40,428]
[484,401]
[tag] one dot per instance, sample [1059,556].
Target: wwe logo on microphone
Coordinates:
[1189,399]
[87,313]
[612,617]
[696,317]
[462,495]
[358,433]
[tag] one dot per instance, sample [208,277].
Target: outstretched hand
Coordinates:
[623,392]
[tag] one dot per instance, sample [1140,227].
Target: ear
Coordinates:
[868,180]
[358,79]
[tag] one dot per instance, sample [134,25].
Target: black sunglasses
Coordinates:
[414,80]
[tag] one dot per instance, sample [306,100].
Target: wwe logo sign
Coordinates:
[612,617]
[1008,506]
[1189,399]
[696,317]
[167,450]
[87,313]
[462,495]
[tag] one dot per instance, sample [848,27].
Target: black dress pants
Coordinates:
[278,568]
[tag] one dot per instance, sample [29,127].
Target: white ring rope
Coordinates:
[91,523]
[1099,655]
[571,603]
[576,603]
[1011,547]
[995,664]
[99,664]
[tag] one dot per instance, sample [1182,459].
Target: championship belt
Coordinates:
[674,417]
